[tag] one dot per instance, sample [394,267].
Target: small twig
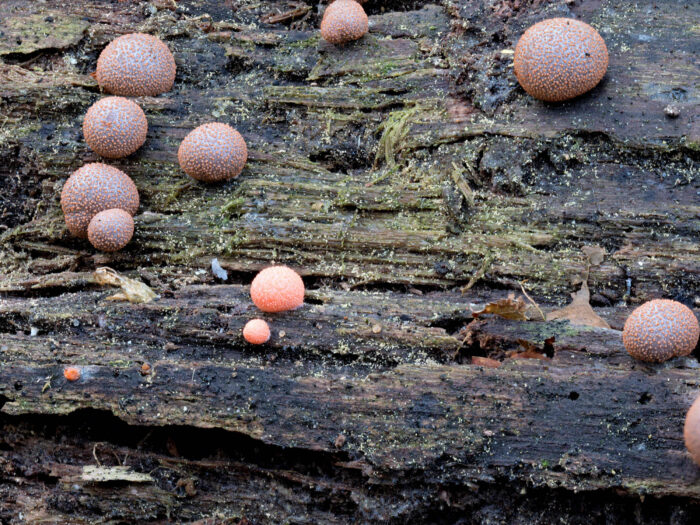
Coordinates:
[291,14]
[462,186]
[523,245]
[31,60]
[176,191]
[143,439]
[299,24]
[94,453]
[381,178]
[47,384]
[532,301]
[479,274]
[363,282]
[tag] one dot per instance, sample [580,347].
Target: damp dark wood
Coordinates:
[411,181]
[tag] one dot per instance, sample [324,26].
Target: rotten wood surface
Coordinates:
[391,172]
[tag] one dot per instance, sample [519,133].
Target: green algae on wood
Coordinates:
[27,33]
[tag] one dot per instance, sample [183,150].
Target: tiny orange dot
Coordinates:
[71,373]
[145,369]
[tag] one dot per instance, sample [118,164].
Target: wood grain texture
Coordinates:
[390,172]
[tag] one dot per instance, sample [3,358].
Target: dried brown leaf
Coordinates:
[526,354]
[291,14]
[132,290]
[485,361]
[508,308]
[595,254]
[531,351]
[532,301]
[579,312]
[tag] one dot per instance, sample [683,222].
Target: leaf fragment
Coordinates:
[485,362]
[509,308]
[132,290]
[530,351]
[579,311]
[594,253]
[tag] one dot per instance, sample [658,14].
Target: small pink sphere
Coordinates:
[256,332]
[115,127]
[277,289]
[111,230]
[559,59]
[659,330]
[94,188]
[213,152]
[136,65]
[344,21]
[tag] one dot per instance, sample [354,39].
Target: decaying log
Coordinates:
[392,173]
